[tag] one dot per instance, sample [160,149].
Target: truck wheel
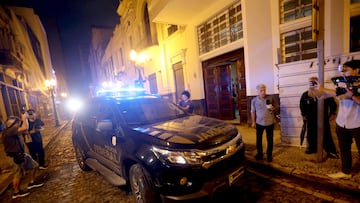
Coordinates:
[80,157]
[142,185]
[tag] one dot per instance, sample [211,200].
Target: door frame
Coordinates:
[234,57]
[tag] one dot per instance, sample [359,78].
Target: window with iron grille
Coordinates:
[297,45]
[294,9]
[224,28]
[296,42]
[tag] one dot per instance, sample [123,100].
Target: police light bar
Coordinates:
[120,92]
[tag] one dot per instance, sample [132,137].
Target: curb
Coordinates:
[340,184]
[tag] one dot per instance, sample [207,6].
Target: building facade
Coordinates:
[25,63]
[220,51]
[100,37]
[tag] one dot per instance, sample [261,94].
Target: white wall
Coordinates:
[335,28]
[258,46]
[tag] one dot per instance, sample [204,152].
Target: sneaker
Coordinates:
[340,175]
[20,194]
[44,167]
[34,185]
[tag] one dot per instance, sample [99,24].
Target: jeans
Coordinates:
[36,150]
[345,137]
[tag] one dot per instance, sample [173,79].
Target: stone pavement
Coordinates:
[288,159]
[292,160]
[6,163]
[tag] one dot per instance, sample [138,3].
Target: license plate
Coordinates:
[235,175]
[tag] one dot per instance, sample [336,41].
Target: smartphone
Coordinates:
[23,109]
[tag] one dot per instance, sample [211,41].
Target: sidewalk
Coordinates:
[293,160]
[6,164]
[287,159]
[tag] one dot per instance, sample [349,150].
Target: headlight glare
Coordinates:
[178,157]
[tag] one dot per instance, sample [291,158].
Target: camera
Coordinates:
[352,83]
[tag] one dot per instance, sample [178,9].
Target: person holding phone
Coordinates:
[36,147]
[14,148]
[308,109]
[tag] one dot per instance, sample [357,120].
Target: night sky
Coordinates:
[75,18]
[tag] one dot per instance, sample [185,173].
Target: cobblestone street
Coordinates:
[65,182]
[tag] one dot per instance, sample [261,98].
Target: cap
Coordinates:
[11,120]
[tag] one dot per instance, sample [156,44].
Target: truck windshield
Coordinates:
[147,111]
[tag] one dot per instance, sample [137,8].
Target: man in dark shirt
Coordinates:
[35,147]
[308,108]
[185,103]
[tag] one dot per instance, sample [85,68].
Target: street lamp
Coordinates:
[50,84]
[135,57]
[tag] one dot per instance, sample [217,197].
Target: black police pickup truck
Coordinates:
[157,149]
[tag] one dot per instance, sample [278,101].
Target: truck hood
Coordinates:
[192,131]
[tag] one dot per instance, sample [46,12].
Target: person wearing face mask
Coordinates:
[348,117]
[263,107]
[309,109]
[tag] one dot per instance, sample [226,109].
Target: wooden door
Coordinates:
[241,90]
[218,92]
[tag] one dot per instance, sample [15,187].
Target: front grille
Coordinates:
[222,152]
[215,176]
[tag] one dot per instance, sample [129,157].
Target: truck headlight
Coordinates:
[178,157]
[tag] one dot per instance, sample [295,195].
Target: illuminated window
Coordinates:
[294,9]
[297,45]
[296,31]
[224,28]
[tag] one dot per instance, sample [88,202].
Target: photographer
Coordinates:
[348,117]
